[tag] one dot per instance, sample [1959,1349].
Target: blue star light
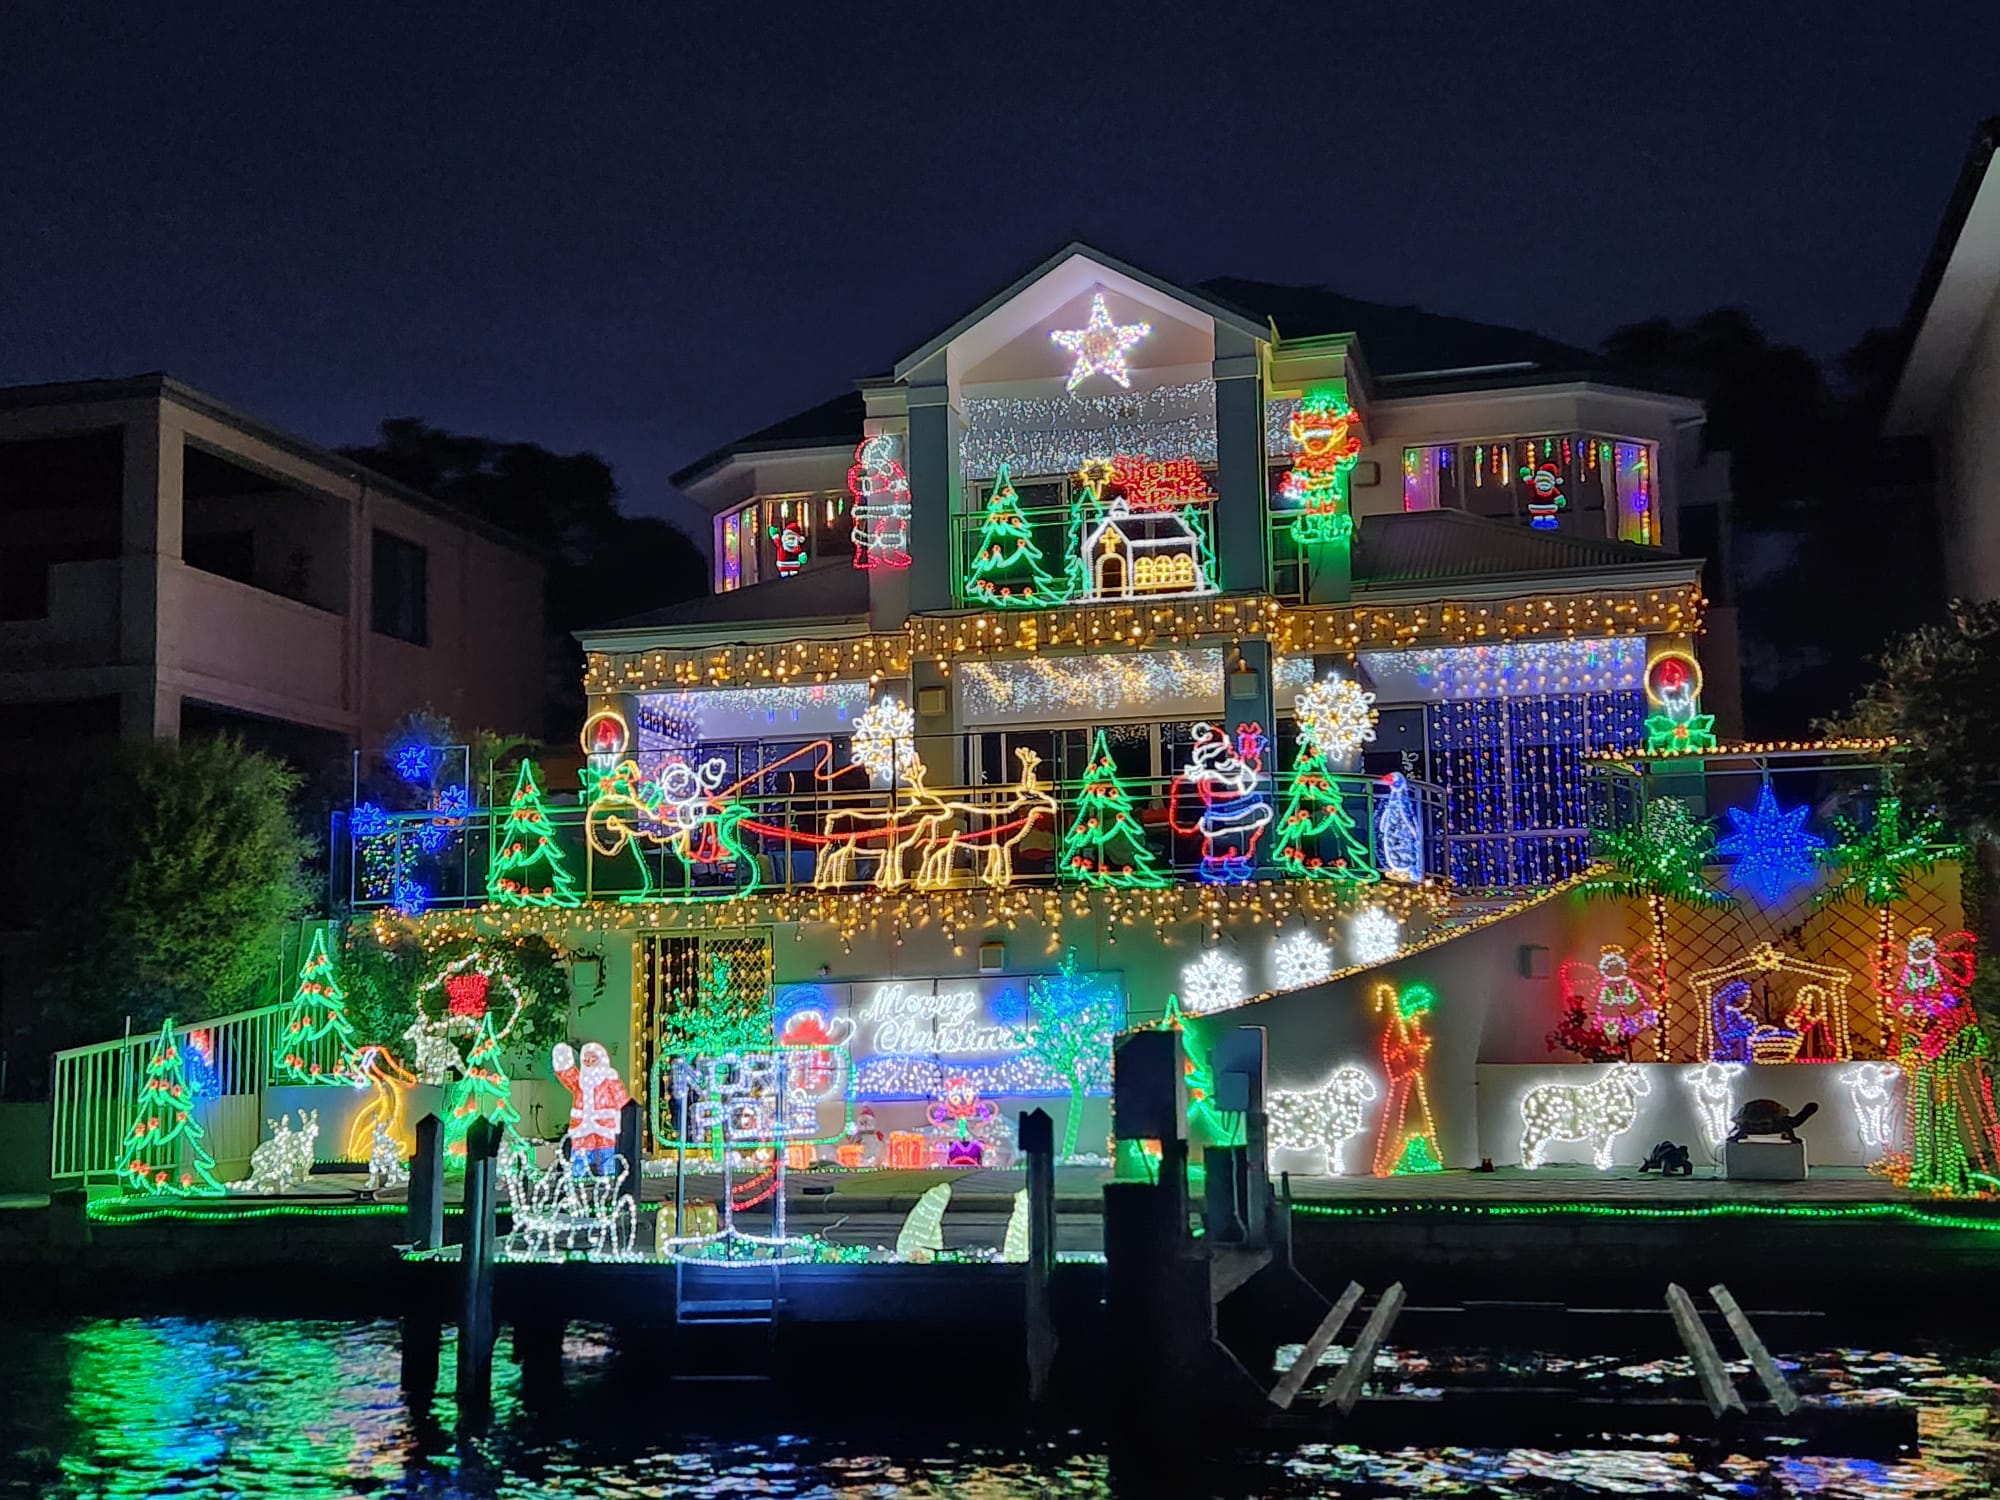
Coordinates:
[1772,849]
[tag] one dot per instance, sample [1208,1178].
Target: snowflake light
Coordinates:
[1214,981]
[1373,936]
[1596,1113]
[1321,1119]
[1772,849]
[1337,716]
[884,741]
[1300,959]
[1100,345]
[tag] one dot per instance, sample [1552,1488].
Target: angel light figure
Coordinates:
[1620,1004]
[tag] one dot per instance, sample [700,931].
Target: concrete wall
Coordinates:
[1970,469]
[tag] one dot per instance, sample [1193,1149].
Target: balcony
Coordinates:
[261,644]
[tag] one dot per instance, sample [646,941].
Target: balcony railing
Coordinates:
[783,828]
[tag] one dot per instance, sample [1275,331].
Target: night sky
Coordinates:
[646,230]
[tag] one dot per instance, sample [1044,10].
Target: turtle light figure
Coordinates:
[1768,1117]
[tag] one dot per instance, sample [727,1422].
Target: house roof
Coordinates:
[835,422]
[1222,312]
[830,590]
[1146,526]
[1432,546]
[1959,282]
[158,385]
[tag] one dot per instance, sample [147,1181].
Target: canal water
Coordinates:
[250,1408]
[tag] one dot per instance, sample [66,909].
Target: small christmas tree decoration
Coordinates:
[1006,564]
[1105,845]
[484,1090]
[165,1152]
[528,867]
[1316,834]
[316,1027]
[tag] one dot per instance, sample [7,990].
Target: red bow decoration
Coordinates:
[468,994]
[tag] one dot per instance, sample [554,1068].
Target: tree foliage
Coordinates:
[166,875]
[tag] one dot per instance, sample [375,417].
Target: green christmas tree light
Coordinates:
[1105,845]
[166,1131]
[318,1011]
[1313,811]
[1007,566]
[485,1090]
[716,1020]
[528,867]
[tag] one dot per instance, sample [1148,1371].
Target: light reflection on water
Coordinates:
[312,1411]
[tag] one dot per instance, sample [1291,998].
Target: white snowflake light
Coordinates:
[1336,716]
[1300,959]
[884,741]
[1100,345]
[1596,1113]
[1373,936]
[1214,981]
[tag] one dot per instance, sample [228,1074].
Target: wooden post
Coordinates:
[475,1318]
[1037,1137]
[1717,1389]
[628,1147]
[1782,1395]
[427,1185]
[1346,1387]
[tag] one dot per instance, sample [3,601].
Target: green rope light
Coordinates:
[113,1211]
[1922,1216]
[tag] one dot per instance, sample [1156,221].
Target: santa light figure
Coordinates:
[1234,813]
[598,1094]
[791,544]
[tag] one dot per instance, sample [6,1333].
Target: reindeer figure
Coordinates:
[889,833]
[991,830]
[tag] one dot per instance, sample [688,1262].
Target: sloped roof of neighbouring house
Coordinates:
[1959,282]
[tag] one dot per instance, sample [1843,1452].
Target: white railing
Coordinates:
[94,1093]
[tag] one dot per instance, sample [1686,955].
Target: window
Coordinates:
[1574,482]
[736,549]
[401,589]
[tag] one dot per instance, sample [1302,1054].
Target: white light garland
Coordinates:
[777,707]
[1085,686]
[1215,981]
[1036,437]
[1321,1119]
[1596,1113]
[884,741]
[1336,716]
[1373,936]
[1300,960]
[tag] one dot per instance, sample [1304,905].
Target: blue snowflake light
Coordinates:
[454,801]
[1772,850]
[369,821]
[414,760]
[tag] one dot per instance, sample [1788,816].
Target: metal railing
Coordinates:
[95,1092]
[774,825]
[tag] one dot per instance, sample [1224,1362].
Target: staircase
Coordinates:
[733,1339]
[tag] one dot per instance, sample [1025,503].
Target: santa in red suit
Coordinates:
[597,1094]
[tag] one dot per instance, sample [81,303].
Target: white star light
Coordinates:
[884,741]
[1212,982]
[1299,960]
[1100,345]
[1373,936]
[1336,716]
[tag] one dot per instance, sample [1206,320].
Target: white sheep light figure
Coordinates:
[1325,1118]
[1714,1085]
[1872,1085]
[1597,1112]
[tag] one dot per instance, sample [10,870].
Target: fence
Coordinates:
[95,1091]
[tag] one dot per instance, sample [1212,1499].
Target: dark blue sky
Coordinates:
[645,230]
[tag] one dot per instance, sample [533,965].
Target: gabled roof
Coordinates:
[1959,283]
[831,590]
[1222,312]
[834,422]
[1405,342]
[1429,546]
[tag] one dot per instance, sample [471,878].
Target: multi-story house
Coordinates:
[171,565]
[1225,638]
[1950,384]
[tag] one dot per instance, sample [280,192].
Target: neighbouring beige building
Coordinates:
[170,564]
[1950,385]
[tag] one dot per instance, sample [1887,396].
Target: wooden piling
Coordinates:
[1779,1389]
[1037,1138]
[628,1147]
[426,1223]
[1717,1389]
[475,1319]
